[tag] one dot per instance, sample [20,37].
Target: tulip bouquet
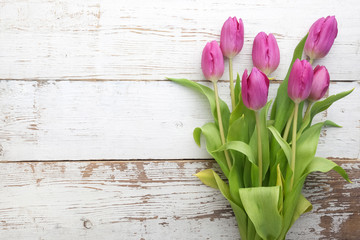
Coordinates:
[265,155]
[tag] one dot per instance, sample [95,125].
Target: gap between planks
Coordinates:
[139,80]
[336,159]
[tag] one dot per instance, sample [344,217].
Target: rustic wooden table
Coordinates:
[96,144]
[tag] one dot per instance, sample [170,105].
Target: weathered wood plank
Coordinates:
[148,40]
[149,200]
[131,120]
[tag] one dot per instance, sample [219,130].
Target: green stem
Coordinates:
[257,117]
[308,110]
[221,128]
[232,92]
[288,125]
[293,146]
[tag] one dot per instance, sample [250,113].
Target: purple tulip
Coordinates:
[320,83]
[254,89]
[321,37]
[265,53]
[232,37]
[212,61]
[300,80]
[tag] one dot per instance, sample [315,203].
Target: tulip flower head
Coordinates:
[300,80]
[212,62]
[265,53]
[232,37]
[321,37]
[254,89]
[320,83]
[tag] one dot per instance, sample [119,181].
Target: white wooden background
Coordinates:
[96,144]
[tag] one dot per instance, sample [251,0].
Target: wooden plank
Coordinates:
[149,40]
[150,200]
[131,120]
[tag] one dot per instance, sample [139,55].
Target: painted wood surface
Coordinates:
[151,200]
[149,40]
[72,120]
[95,143]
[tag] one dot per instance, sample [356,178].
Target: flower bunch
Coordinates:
[266,160]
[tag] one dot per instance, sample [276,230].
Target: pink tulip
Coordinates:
[212,61]
[232,37]
[320,83]
[254,89]
[265,53]
[300,80]
[321,37]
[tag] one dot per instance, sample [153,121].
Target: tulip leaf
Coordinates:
[283,144]
[332,124]
[240,147]
[235,182]
[326,103]
[306,148]
[237,132]
[209,93]
[207,177]
[320,164]
[302,206]
[213,142]
[196,135]
[261,205]
[289,206]
[240,215]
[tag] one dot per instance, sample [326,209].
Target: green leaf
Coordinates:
[302,206]
[213,142]
[196,135]
[324,165]
[326,103]
[240,147]
[306,148]
[303,126]
[291,210]
[280,183]
[240,215]
[291,197]
[235,182]
[207,177]
[237,132]
[209,93]
[261,205]
[265,138]
[283,144]
[332,124]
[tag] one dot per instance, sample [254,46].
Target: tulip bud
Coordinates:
[212,61]
[232,37]
[300,80]
[265,53]
[320,83]
[321,37]
[254,89]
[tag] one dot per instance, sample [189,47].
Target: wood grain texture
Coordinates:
[62,120]
[149,40]
[85,80]
[150,200]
